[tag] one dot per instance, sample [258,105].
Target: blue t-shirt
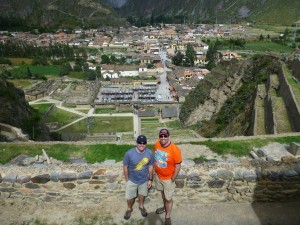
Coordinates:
[138,164]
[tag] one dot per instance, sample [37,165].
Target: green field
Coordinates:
[105,110]
[23,83]
[61,116]
[101,125]
[18,61]
[267,47]
[42,108]
[20,70]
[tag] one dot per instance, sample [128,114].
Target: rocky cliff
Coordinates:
[222,105]
[16,112]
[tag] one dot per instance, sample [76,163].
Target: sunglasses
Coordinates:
[163,136]
[142,143]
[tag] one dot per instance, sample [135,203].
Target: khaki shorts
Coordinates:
[133,189]
[167,186]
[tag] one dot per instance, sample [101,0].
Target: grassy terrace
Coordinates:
[61,116]
[294,85]
[100,152]
[42,108]
[281,116]
[101,125]
[260,117]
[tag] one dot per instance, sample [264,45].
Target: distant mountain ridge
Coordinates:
[57,14]
[220,11]
[70,14]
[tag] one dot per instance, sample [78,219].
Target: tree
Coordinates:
[29,74]
[178,59]
[261,37]
[212,54]
[105,59]
[190,55]
[90,74]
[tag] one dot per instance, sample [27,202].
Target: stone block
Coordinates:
[294,149]
[225,174]
[11,178]
[179,183]
[85,175]
[249,176]
[41,179]
[65,177]
[32,186]
[288,159]
[69,185]
[98,173]
[216,183]
[23,179]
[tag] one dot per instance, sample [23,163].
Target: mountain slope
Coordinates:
[16,112]
[59,13]
[222,105]
[221,11]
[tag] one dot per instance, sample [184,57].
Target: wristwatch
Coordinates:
[151,180]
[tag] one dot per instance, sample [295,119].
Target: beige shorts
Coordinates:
[132,190]
[167,186]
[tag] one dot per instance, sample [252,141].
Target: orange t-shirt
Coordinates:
[165,160]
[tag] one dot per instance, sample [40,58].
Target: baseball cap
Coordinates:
[164,132]
[141,138]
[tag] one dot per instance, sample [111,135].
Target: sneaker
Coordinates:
[168,221]
[127,214]
[143,212]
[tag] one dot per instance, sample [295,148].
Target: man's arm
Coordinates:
[150,169]
[177,169]
[125,170]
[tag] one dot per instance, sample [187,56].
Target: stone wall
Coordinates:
[269,116]
[236,182]
[295,64]
[291,104]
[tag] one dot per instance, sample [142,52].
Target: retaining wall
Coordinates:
[290,102]
[243,181]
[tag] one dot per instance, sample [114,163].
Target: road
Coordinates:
[163,88]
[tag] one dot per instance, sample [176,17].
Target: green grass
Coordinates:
[18,61]
[267,47]
[281,116]
[294,85]
[101,125]
[42,70]
[76,75]
[21,83]
[42,108]
[243,148]
[61,116]
[100,152]
[105,110]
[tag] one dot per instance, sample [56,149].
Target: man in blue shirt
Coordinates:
[138,171]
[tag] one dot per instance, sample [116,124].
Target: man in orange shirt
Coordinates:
[167,166]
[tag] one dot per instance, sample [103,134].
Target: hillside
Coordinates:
[223,104]
[47,14]
[16,112]
[220,11]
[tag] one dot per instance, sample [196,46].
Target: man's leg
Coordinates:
[141,201]
[168,205]
[130,203]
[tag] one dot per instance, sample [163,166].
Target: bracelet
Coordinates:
[150,180]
